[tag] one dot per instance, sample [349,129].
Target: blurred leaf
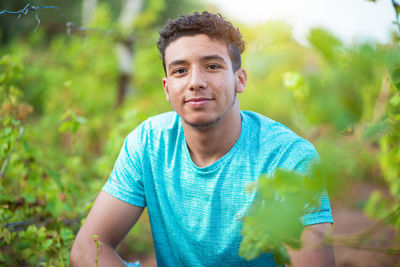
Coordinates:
[396,78]
[275,218]
[395,100]
[66,234]
[376,206]
[47,244]
[71,122]
[150,15]
[325,42]
[396,7]
[376,131]
[292,79]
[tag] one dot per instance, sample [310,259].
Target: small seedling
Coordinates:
[98,245]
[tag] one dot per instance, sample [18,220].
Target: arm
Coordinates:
[110,219]
[314,252]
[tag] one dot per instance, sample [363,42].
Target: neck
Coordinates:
[207,145]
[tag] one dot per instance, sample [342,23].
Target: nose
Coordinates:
[197,79]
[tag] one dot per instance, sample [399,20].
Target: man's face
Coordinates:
[200,82]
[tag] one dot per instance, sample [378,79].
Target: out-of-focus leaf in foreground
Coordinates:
[275,218]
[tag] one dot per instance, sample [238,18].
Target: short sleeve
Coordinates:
[305,157]
[126,179]
[323,214]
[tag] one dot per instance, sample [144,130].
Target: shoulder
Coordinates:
[165,122]
[274,137]
[157,132]
[268,130]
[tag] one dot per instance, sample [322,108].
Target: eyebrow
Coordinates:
[213,57]
[205,58]
[177,62]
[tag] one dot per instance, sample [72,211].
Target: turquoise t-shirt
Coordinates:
[194,211]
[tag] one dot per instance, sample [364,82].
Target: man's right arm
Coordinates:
[110,219]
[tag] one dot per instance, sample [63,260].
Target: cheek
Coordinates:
[176,86]
[229,87]
[174,93]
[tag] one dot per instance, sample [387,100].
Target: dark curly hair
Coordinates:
[213,25]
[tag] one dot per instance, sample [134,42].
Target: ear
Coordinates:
[165,87]
[241,79]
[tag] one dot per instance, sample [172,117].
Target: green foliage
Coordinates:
[71,122]
[345,99]
[61,131]
[274,219]
[271,51]
[150,15]
[41,211]
[378,206]
[32,207]
[325,43]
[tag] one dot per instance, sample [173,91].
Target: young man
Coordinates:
[190,167]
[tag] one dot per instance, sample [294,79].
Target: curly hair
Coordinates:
[213,25]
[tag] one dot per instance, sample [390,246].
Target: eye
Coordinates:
[179,71]
[213,67]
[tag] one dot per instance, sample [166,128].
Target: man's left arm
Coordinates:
[315,251]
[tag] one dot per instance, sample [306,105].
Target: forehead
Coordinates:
[194,47]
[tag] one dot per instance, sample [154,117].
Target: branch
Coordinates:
[374,228]
[22,225]
[382,99]
[70,26]
[28,8]
[357,241]
[116,35]
[21,130]
[396,7]
[356,245]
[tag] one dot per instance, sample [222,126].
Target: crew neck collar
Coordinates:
[220,162]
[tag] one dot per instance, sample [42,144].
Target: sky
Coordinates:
[350,20]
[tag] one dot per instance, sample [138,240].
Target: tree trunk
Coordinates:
[129,12]
[88,10]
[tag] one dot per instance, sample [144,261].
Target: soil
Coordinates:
[349,220]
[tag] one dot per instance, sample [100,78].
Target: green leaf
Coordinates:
[71,122]
[376,206]
[395,100]
[6,235]
[275,218]
[395,75]
[6,131]
[292,79]
[376,131]
[396,7]
[325,42]
[66,234]
[46,244]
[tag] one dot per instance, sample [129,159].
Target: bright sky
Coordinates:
[349,20]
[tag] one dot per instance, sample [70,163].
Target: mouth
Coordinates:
[198,102]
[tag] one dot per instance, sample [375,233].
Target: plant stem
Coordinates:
[21,130]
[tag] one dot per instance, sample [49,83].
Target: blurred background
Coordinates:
[77,76]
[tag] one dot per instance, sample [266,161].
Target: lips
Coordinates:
[198,102]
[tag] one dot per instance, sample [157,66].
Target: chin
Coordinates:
[201,123]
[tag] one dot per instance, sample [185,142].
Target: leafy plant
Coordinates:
[274,219]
